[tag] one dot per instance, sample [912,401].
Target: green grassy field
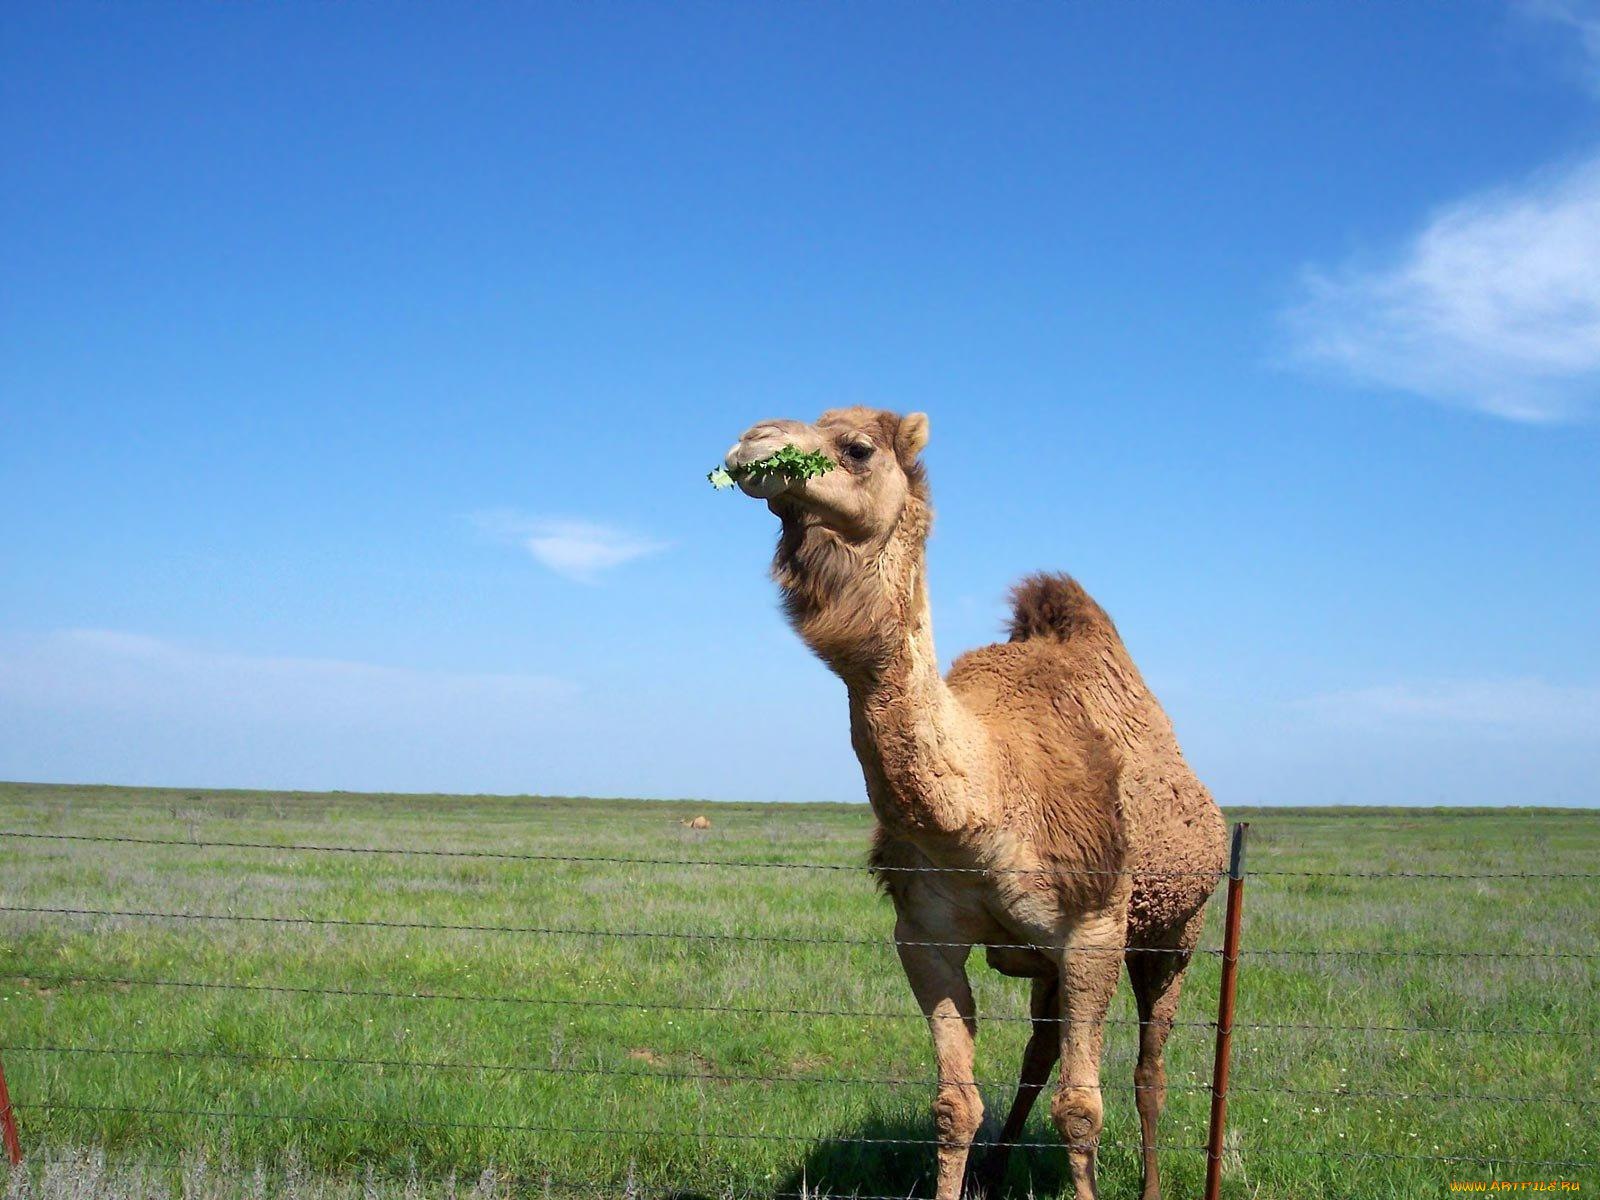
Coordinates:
[554,1059]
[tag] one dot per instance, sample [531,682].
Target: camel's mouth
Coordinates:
[764,486]
[765,470]
[759,484]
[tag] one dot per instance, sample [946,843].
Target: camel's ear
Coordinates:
[912,436]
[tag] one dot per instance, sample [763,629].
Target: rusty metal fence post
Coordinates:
[1225,995]
[8,1122]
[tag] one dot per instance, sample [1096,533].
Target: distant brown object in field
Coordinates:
[697,823]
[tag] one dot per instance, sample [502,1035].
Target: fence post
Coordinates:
[8,1122]
[1225,994]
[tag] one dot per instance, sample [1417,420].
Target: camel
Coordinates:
[1035,802]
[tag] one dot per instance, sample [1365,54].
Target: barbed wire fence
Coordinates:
[1222,1027]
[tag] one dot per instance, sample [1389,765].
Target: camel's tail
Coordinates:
[1056,607]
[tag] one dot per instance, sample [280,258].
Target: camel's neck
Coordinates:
[866,614]
[921,752]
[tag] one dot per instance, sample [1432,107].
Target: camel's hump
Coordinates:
[1055,606]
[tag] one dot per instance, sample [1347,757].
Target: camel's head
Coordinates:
[862,499]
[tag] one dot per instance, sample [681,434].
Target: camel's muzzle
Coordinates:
[764,487]
[760,442]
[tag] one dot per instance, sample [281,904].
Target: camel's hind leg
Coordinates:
[1157,978]
[1038,1060]
[1090,966]
[938,977]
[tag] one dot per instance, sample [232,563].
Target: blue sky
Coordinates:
[361,366]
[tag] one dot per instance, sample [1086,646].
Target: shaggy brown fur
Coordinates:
[1176,832]
[1057,608]
[1042,771]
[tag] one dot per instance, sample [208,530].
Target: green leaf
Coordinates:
[791,462]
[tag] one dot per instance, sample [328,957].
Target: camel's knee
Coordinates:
[1078,1114]
[957,1113]
[1150,1084]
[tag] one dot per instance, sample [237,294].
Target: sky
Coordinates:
[361,365]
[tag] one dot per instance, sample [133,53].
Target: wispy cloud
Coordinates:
[1494,304]
[577,549]
[1524,707]
[110,669]
[1580,17]
[95,704]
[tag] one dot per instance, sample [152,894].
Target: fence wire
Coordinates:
[745,1010]
[764,864]
[779,939]
[717,1135]
[680,935]
[525,1068]
[57,1049]
[804,1139]
[874,1081]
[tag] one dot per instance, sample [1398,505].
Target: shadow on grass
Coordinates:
[848,1168]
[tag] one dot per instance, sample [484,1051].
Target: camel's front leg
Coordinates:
[1090,965]
[938,976]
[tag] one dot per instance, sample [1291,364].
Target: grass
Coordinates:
[620,1068]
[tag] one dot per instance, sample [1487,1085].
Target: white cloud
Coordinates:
[579,550]
[1581,17]
[1494,305]
[100,705]
[1527,708]
[108,670]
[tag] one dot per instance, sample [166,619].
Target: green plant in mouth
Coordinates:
[791,462]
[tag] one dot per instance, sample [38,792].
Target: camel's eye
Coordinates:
[858,452]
